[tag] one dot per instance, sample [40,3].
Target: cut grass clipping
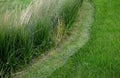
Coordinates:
[29,29]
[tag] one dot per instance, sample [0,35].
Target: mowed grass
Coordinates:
[100,57]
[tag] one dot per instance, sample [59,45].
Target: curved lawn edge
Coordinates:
[57,58]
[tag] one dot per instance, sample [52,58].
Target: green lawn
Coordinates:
[100,57]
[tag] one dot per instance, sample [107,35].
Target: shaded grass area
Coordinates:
[99,58]
[38,32]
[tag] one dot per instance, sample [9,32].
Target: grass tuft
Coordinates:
[27,30]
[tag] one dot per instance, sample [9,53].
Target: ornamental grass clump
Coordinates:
[29,30]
